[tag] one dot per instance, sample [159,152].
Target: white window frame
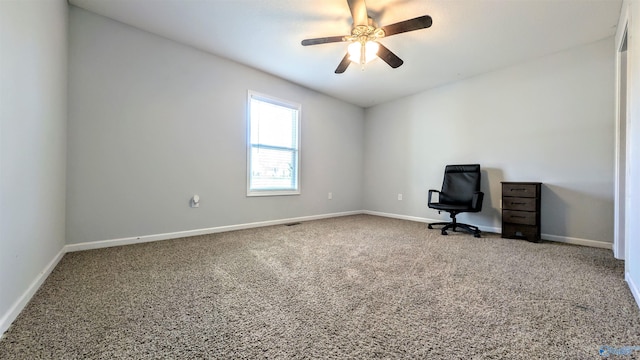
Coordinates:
[279,102]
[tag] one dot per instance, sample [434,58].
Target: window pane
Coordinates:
[273,141]
[272,169]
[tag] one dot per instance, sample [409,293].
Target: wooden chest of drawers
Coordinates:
[521,210]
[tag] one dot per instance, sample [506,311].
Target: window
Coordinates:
[273,146]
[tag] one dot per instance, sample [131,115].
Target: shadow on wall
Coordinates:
[490,179]
[552,202]
[576,210]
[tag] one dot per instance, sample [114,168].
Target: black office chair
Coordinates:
[460,193]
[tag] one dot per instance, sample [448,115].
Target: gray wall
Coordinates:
[33,113]
[548,120]
[152,122]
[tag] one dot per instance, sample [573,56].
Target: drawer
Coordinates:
[513,231]
[519,217]
[519,203]
[521,190]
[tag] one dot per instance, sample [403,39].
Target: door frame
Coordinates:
[621,175]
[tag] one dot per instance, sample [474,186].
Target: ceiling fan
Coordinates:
[365,34]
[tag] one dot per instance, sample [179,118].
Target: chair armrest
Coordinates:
[476,202]
[431,193]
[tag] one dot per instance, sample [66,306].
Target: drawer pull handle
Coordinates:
[518,216]
[518,203]
[518,189]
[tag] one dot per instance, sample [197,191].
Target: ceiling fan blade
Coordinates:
[387,56]
[324,40]
[342,67]
[418,23]
[358,12]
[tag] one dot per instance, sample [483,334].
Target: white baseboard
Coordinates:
[424,220]
[633,286]
[398,216]
[578,241]
[556,238]
[180,234]
[18,306]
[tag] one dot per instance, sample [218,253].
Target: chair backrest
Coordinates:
[459,184]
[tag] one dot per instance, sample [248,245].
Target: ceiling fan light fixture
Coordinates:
[365,33]
[358,56]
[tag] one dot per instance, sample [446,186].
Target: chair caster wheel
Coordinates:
[429,226]
[476,235]
[444,232]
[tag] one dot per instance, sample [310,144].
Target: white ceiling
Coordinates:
[468,37]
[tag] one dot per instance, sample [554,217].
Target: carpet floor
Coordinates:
[357,287]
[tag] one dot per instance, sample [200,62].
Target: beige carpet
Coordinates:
[353,287]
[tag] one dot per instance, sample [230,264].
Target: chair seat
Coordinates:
[445,207]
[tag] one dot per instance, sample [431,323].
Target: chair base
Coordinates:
[454,226]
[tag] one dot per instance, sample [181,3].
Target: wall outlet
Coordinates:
[330,196]
[399,196]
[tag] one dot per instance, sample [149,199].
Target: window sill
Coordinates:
[273,193]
